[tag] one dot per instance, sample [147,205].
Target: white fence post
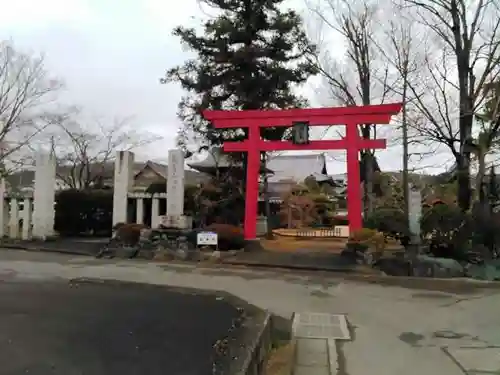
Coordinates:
[26,228]
[139,213]
[14,219]
[155,212]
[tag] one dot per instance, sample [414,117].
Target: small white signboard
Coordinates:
[206,239]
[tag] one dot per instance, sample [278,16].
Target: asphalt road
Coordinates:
[108,328]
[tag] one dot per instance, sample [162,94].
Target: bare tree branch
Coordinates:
[469,34]
[85,148]
[26,90]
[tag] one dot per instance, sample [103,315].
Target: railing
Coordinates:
[140,198]
[16,219]
[157,217]
[258,354]
[316,232]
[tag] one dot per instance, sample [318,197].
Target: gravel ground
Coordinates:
[97,328]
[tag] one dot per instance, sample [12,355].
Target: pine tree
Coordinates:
[250,57]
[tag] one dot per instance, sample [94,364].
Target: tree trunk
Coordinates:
[480,176]
[267,204]
[368,169]
[463,165]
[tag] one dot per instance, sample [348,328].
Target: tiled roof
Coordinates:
[296,167]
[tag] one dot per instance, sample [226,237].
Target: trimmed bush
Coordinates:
[84,212]
[128,234]
[371,238]
[230,237]
[391,222]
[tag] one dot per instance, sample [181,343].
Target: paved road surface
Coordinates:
[394,330]
[108,328]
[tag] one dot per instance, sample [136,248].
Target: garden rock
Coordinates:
[147,254]
[393,266]
[426,266]
[125,252]
[489,271]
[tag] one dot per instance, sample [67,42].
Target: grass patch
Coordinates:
[281,360]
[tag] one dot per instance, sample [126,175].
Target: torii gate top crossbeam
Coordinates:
[371,114]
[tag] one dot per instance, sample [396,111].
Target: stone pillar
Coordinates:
[4,211]
[26,228]
[155,212]
[44,196]
[139,210]
[175,183]
[175,192]
[14,219]
[123,183]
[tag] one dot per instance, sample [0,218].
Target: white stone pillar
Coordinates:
[155,212]
[4,211]
[139,210]
[123,183]
[175,183]
[175,191]
[44,196]
[26,228]
[14,219]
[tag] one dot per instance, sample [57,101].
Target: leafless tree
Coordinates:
[85,148]
[26,93]
[360,78]
[487,139]
[401,49]
[467,41]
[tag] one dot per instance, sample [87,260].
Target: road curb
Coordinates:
[43,249]
[463,285]
[286,266]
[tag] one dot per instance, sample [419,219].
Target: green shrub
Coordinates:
[448,231]
[80,212]
[486,228]
[391,222]
[230,237]
[372,238]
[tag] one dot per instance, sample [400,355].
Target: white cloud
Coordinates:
[31,14]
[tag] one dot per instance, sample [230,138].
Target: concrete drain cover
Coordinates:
[320,326]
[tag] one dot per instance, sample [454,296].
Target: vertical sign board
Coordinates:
[175,183]
[415,208]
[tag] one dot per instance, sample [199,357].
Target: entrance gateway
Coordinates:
[254,120]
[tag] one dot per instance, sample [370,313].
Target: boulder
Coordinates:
[393,266]
[427,266]
[489,271]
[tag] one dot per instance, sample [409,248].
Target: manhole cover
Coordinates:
[318,325]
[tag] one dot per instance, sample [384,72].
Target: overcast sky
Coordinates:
[111,54]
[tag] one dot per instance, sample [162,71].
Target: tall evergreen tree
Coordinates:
[251,56]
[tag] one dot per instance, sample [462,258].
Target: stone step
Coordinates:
[314,335]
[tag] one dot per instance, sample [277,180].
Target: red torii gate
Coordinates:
[352,143]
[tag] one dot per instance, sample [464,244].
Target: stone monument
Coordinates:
[175,217]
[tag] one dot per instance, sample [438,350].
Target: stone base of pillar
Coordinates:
[177,221]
